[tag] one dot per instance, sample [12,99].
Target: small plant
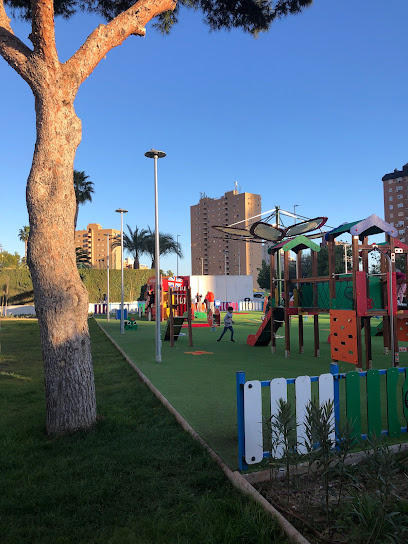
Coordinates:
[284,430]
[319,426]
[381,466]
[345,443]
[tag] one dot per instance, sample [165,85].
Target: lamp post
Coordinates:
[122,303]
[239,261]
[202,266]
[107,279]
[154,154]
[294,222]
[225,274]
[177,250]
[294,213]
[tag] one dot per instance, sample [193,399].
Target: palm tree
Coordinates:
[135,243]
[167,245]
[23,236]
[82,258]
[83,191]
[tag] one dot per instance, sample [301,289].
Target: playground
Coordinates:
[338,325]
[199,381]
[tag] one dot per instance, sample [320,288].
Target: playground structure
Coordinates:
[181,293]
[174,305]
[351,299]
[176,321]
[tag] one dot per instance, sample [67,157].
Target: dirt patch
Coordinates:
[363,503]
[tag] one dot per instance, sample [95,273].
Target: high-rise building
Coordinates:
[212,253]
[93,241]
[396,201]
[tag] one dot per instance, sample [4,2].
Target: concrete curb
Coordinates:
[235,477]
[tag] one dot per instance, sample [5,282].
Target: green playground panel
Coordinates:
[344,294]
[353,402]
[394,427]
[374,402]
[364,409]
[405,397]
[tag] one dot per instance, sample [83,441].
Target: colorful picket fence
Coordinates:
[251,412]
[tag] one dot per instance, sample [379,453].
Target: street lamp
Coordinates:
[294,213]
[225,274]
[154,154]
[177,250]
[107,280]
[202,266]
[239,261]
[122,304]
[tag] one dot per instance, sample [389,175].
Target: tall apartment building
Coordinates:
[93,241]
[211,252]
[396,201]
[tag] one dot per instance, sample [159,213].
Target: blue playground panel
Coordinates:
[125,313]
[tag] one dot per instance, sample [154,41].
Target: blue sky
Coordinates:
[313,113]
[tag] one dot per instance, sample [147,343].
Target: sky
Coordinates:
[312,113]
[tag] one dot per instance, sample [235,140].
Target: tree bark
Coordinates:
[61,299]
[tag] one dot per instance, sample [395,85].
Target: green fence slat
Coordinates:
[374,402]
[353,410]
[405,396]
[394,426]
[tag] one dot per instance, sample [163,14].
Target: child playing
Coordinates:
[228,324]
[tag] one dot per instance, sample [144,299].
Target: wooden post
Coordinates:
[286,302]
[332,269]
[300,316]
[190,329]
[386,318]
[316,305]
[395,355]
[171,317]
[366,320]
[272,273]
[355,256]
[367,338]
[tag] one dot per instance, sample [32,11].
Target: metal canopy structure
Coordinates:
[265,231]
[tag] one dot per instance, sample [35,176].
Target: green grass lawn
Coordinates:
[136,477]
[202,387]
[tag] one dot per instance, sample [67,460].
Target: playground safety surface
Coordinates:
[203,389]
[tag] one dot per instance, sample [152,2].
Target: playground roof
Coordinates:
[373,225]
[365,227]
[345,227]
[397,243]
[295,244]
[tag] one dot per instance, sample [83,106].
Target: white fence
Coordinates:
[253,426]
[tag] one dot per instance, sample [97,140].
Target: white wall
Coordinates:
[18,310]
[225,288]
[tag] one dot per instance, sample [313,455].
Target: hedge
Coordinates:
[20,288]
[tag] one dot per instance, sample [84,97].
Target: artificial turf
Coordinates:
[202,387]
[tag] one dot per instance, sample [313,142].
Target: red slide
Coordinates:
[263,336]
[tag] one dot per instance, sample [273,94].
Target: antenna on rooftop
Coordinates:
[235,187]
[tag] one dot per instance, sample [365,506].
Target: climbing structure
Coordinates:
[352,299]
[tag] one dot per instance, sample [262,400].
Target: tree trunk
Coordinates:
[61,300]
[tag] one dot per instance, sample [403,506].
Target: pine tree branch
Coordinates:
[12,49]
[106,37]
